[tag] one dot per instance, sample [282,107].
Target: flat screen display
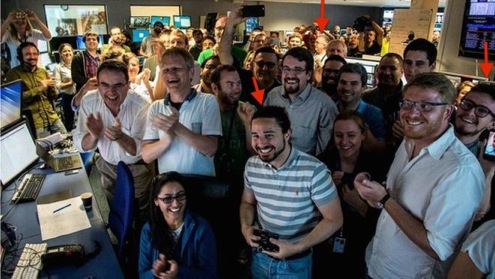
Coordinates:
[139,34]
[10,103]
[478,27]
[163,19]
[182,21]
[140,21]
[13,142]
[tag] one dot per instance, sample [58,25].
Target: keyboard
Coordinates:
[30,187]
[30,264]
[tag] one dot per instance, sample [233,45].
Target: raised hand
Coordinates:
[166,123]
[114,132]
[94,124]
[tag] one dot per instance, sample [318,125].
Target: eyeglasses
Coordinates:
[181,196]
[330,71]
[297,71]
[269,65]
[420,106]
[479,110]
[113,87]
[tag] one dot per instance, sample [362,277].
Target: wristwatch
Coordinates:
[381,203]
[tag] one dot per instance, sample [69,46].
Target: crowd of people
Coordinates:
[327,176]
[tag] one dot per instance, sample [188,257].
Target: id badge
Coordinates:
[339,245]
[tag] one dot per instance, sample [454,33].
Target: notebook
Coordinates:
[59,164]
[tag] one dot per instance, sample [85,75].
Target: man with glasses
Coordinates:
[433,190]
[112,119]
[475,116]
[265,68]
[330,75]
[311,111]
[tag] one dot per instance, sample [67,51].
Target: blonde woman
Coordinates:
[65,84]
[17,28]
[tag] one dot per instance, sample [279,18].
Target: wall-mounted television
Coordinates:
[138,35]
[163,19]
[139,22]
[182,21]
[478,26]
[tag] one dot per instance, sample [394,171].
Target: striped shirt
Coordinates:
[287,197]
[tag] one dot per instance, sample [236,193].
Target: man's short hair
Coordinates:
[265,49]
[22,46]
[158,23]
[302,54]
[217,73]
[335,57]
[208,59]
[437,82]
[355,68]
[487,88]
[92,34]
[278,113]
[114,65]
[422,44]
[393,55]
[179,52]
[337,42]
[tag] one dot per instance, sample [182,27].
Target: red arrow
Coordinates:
[258,94]
[486,67]
[322,20]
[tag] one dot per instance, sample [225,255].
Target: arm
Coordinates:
[6,23]
[160,89]
[464,268]
[246,111]
[207,145]
[33,17]
[247,212]
[379,31]
[91,84]
[225,44]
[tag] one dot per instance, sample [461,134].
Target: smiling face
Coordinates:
[350,89]
[172,212]
[113,88]
[416,62]
[294,75]
[467,123]
[30,56]
[421,126]
[348,137]
[67,54]
[269,142]
[176,74]
[389,72]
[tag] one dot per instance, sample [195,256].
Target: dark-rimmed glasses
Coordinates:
[420,106]
[168,199]
[479,110]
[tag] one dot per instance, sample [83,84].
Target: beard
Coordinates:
[329,88]
[270,158]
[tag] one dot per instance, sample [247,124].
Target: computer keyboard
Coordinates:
[30,264]
[29,188]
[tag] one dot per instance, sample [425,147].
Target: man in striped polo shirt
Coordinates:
[292,196]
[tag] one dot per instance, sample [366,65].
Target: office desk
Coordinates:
[24,217]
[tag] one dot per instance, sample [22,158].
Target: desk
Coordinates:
[25,218]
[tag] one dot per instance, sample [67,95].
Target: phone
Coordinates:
[63,255]
[71,172]
[253,11]
[489,151]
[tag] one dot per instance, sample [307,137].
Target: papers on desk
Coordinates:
[62,218]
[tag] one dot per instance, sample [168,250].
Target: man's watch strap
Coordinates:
[382,202]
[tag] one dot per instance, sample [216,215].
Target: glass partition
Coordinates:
[71,20]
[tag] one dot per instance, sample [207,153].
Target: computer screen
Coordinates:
[163,19]
[139,34]
[82,46]
[478,27]
[13,142]
[140,22]
[55,42]
[182,21]
[10,103]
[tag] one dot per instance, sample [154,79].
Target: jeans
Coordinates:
[56,126]
[264,267]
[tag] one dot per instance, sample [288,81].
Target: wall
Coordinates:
[448,58]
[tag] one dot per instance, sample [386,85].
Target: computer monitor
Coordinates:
[55,42]
[163,19]
[140,22]
[139,34]
[13,142]
[82,46]
[10,103]
[182,21]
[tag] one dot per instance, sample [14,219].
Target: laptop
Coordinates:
[59,164]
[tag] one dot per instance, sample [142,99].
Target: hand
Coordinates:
[166,123]
[144,75]
[94,124]
[371,191]
[91,84]
[235,16]
[337,177]
[245,111]
[31,15]
[114,132]
[46,83]
[160,265]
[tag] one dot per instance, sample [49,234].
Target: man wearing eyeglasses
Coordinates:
[475,116]
[311,111]
[265,68]
[112,119]
[330,75]
[433,190]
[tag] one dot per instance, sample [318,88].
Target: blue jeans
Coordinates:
[264,267]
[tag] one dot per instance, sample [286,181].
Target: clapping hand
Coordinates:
[114,132]
[166,123]
[94,124]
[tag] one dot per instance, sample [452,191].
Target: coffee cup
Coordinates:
[87,199]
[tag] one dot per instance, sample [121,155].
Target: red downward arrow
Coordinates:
[322,20]
[486,67]
[258,94]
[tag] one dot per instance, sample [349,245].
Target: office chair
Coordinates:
[121,216]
